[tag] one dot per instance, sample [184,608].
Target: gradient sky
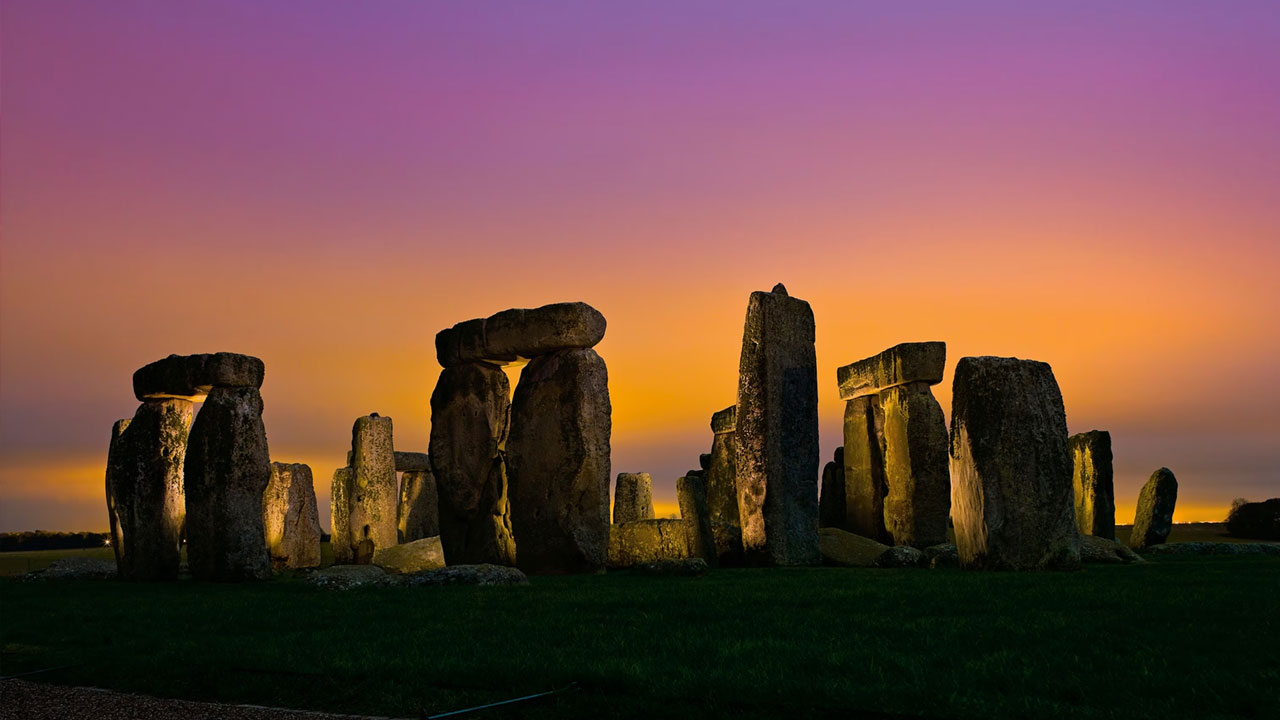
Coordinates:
[327,184]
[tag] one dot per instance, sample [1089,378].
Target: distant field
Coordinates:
[1175,637]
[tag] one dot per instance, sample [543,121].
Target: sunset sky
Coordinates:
[326,185]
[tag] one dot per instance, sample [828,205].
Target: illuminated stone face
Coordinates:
[632,498]
[1092,483]
[290,519]
[146,473]
[374,492]
[722,487]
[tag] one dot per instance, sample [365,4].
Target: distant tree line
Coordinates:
[44,540]
[1255,520]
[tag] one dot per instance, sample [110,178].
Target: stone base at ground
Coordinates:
[1094,549]
[1215,548]
[74,568]
[645,541]
[412,557]
[843,548]
[684,567]
[481,574]
[345,577]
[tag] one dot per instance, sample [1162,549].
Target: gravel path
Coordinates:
[36,701]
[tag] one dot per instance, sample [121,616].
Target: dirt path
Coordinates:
[36,701]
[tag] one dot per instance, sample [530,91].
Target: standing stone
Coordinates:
[1154,518]
[146,480]
[1011,491]
[374,493]
[417,515]
[290,518]
[831,502]
[558,456]
[470,414]
[1092,481]
[691,492]
[722,488]
[864,474]
[777,431]
[340,516]
[227,470]
[113,516]
[632,498]
[916,470]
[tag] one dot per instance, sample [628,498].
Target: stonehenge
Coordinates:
[1153,519]
[632,498]
[227,470]
[340,516]
[147,493]
[366,494]
[831,501]
[1011,494]
[524,480]
[646,541]
[417,514]
[722,487]
[897,487]
[691,492]
[290,518]
[1092,483]
[470,418]
[776,443]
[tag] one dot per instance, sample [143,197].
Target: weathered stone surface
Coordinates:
[345,577]
[418,514]
[1012,501]
[632,498]
[901,364]
[644,541]
[481,575]
[725,421]
[227,470]
[558,461]
[374,493]
[831,502]
[682,567]
[340,515]
[512,335]
[847,549]
[113,515]
[777,431]
[1154,517]
[722,491]
[1092,481]
[147,482]
[864,480]
[290,518]
[943,555]
[1094,549]
[412,461]
[191,377]
[470,414]
[411,557]
[691,493]
[916,466]
[902,556]
[1256,520]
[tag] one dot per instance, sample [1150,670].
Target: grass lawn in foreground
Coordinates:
[1175,637]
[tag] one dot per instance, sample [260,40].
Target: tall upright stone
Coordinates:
[632,498]
[558,460]
[470,417]
[113,515]
[722,487]
[374,492]
[831,502]
[777,431]
[916,470]
[418,514]
[1093,484]
[290,517]
[1011,500]
[228,468]
[691,493]
[1153,520]
[340,515]
[147,484]
[864,480]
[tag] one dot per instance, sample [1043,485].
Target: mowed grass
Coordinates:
[1175,637]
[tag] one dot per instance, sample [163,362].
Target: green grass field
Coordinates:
[1176,637]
